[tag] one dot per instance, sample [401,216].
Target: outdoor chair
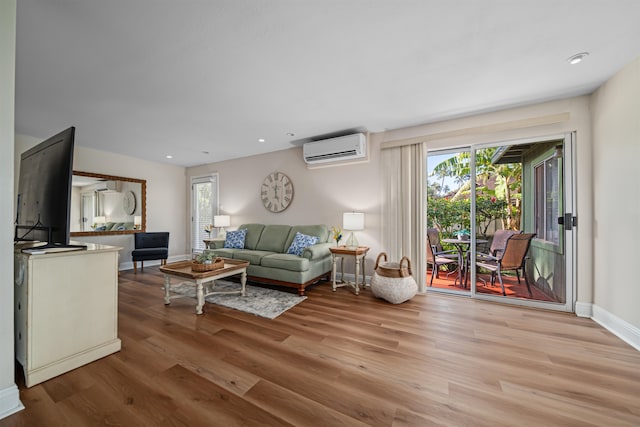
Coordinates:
[150,246]
[436,256]
[512,258]
[499,241]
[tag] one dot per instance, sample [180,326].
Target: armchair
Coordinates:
[513,257]
[150,246]
[436,256]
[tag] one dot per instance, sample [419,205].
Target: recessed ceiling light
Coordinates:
[169,156]
[260,139]
[577,58]
[290,134]
[205,152]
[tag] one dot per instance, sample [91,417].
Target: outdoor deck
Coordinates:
[511,286]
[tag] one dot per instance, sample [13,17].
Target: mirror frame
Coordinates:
[143,205]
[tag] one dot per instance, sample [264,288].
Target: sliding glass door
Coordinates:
[518,213]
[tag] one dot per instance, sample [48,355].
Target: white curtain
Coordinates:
[403,212]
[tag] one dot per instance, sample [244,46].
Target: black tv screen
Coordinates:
[44,191]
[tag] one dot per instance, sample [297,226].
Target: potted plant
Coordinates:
[463,234]
[205,258]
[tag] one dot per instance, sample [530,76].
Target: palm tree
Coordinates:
[505,179]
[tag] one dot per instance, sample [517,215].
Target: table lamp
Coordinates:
[137,222]
[352,221]
[221,221]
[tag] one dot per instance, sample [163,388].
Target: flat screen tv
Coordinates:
[44,192]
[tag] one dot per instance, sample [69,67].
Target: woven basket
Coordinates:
[392,269]
[217,264]
[393,281]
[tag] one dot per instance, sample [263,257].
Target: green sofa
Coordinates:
[266,248]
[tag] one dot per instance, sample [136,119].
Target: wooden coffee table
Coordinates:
[204,281]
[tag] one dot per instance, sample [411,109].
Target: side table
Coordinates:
[341,252]
[209,242]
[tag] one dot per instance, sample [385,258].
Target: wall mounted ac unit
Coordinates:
[108,186]
[348,147]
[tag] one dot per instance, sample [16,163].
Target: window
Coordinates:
[547,200]
[204,205]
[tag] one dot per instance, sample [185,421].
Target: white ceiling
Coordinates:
[148,78]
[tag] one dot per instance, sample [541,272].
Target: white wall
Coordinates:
[616,130]
[9,396]
[320,195]
[166,195]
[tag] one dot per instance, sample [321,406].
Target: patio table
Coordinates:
[462,246]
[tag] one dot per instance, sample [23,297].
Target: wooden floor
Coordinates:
[340,359]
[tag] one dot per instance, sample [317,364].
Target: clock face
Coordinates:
[276,192]
[129,202]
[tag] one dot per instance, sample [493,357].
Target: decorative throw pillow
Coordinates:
[235,239]
[301,241]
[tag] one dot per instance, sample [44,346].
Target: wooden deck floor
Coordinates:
[338,359]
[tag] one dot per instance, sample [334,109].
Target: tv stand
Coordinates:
[66,309]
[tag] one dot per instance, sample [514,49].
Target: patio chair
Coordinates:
[436,256]
[499,241]
[512,258]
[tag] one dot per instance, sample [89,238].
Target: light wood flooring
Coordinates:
[338,359]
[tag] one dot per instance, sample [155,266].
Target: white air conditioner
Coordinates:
[347,147]
[107,186]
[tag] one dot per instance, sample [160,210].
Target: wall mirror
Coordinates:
[106,205]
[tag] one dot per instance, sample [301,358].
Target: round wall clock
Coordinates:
[129,202]
[276,192]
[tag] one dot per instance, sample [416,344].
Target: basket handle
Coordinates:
[404,258]
[380,255]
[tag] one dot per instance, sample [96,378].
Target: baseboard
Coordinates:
[621,328]
[128,265]
[584,309]
[10,401]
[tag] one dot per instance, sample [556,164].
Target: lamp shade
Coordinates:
[137,220]
[100,219]
[221,220]
[353,221]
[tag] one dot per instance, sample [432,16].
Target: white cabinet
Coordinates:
[66,310]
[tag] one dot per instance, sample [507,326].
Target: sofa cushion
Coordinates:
[225,253]
[321,231]
[300,242]
[254,257]
[235,239]
[273,238]
[285,262]
[254,231]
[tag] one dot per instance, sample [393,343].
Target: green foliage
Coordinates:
[498,193]
[205,256]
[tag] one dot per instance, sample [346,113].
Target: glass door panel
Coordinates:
[448,220]
[204,205]
[519,190]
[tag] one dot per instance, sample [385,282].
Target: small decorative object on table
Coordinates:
[337,234]
[393,281]
[463,234]
[207,262]
[208,229]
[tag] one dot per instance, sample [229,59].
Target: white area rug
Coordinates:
[262,302]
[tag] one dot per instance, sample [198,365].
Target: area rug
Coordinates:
[260,301]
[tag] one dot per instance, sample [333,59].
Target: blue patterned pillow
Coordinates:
[301,241]
[235,239]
